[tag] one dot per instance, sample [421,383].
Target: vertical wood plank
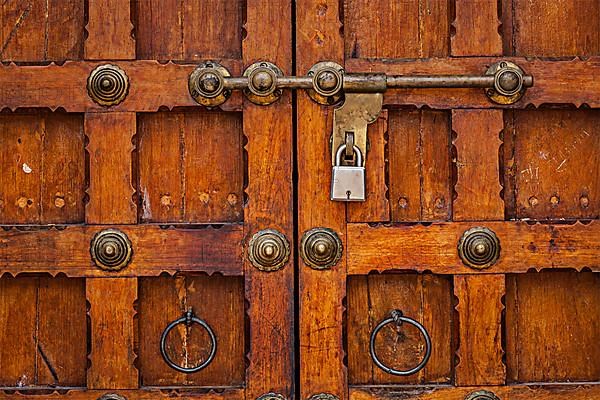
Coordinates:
[109,31]
[480,334]
[376,208]
[63,174]
[478,182]
[110,188]
[553,321]
[476,25]
[21,166]
[112,354]
[270,204]
[17,331]
[321,293]
[61,353]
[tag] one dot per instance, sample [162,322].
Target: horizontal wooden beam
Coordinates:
[144,394]
[566,82]
[524,246]
[152,85]
[517,392]
[155,250]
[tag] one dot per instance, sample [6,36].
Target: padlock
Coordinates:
[348,181]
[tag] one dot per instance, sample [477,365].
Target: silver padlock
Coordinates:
[348,181]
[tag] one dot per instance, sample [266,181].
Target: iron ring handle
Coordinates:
[188,318]
[397,317]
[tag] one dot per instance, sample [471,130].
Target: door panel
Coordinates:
[130,165]
[441,164]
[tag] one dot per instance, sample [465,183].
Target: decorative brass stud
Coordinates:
[508,83]
[328,82]
[323,396]
[320,248]
[262,83]
[111,250]
[111,396]
[108,85]
[207,84]
[479,248]
[271,396]
[268,250]
[482,395]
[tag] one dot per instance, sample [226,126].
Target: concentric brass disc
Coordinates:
[479,248]
[482,395]
[320,248]
[268,250]
[111,250]
[108,85]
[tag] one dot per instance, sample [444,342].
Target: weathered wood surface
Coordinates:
[524,247]
[571,81]
[155,250]
[566,392]
[145,394]
[152,85]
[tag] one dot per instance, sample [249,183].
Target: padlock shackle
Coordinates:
[341,149]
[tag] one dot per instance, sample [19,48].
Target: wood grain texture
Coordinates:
[476,29]
[269,134]
[50,30]
[144,394]
[41,168]
[478,166]
[419,165]
[433,248]
[521,392]
[553,323]
[479,330]
[152,85]
[112,354]
[109,30]
[569,81]
[217,300]
[534,24]
[371,28]
[110,150]
[155,250]
[376,207]
[320,293]
[425,298]
[188,30]
[41,317]
[179,155]
[556,164]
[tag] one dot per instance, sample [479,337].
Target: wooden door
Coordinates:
[124,203]
[442,162]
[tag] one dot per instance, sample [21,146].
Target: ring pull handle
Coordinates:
[188,319]
[396,317]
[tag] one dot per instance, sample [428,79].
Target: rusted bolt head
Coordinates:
[262,81]
[209,82]
[327,81]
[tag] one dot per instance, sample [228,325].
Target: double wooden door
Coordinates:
[160,243]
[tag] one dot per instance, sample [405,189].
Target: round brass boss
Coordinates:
[262,83]
[320,248]
[482,395]
[479,248]
[268,250]
[508,83]
[323,396]
[111,250]
[328,81]
[107,85]
[207,84]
